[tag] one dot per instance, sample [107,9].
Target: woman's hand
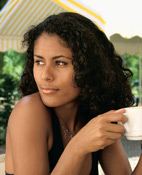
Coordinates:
[101,131]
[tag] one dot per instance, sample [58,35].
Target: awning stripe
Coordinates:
[18,15]
[71,5]
[31,20]
[64,6]
[47,7]
[10,10]
[88,11]
[127,31]
[53,10]
[5,9]
[17,21]
[11,44]
[8,27]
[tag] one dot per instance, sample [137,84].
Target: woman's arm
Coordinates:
[28,133]
[138,169]
[114,160]
[97,134]
[29,136]
[28,129]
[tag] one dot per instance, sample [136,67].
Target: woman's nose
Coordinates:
[47,73]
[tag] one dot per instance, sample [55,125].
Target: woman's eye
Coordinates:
[38,62]
[61,63]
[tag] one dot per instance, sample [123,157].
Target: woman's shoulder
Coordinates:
[31,101]
[31,104]
[29,131]
[31,111]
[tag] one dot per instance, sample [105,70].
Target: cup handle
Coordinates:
[126,127]
[126,124]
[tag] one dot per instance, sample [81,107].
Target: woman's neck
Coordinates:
[67,114]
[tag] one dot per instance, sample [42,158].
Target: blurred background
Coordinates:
[120,20]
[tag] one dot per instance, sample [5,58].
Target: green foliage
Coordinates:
[132,62]
[13,64]
[8,96]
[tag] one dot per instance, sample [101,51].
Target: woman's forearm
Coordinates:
[138,169]
[71,160]
[92,137]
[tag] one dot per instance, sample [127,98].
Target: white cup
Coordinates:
[133,128]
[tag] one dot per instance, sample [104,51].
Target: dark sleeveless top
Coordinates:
[58,148]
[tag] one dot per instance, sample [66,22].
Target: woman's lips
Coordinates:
[49,90]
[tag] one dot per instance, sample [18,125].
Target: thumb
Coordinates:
[120,110]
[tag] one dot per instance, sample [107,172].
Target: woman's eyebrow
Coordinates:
[39,56]
[55,57]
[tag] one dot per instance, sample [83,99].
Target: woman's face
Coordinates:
[53,71]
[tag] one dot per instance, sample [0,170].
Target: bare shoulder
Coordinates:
[29,135]
[30,112]
[31,102]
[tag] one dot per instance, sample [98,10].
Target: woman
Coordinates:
[75,87]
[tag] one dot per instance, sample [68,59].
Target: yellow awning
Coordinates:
[18,15]
[123,17]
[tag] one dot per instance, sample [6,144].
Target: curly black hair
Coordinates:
[99,71]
